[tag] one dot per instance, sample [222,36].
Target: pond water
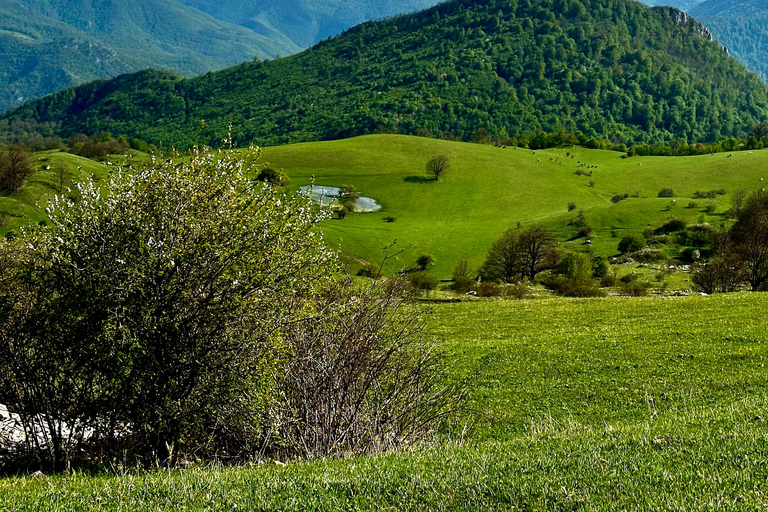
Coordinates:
[327,195]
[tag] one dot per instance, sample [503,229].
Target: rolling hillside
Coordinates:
[615,69]
[487,191]
[47,45]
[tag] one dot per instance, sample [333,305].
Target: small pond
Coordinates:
[327,195]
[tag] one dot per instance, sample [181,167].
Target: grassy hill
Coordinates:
[29,203]
[489,190]
[589,404]
[47,45]
[741,26]
[613,68]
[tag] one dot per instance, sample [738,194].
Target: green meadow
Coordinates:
[574,404]
[489,190]
[29,203]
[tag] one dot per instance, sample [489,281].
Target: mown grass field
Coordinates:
[575,404]
[489,190]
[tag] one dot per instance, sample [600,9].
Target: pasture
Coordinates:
[574,404]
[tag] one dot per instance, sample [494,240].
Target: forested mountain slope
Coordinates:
[46,45]
[305,22]
[613,68]
[742,27]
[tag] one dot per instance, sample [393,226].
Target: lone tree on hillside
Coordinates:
[15,167]
[438,165]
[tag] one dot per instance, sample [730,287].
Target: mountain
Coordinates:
[610,68]
[742,27]
[305,22]
[46,45]
[684,5]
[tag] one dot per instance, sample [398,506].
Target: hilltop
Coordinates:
[615,69]
[47,45]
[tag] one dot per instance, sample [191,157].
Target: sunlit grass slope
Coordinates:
[29,203]
[589,404]
[489,190]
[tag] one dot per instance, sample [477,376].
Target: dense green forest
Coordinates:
[47,45]
[741,26]
[613,68]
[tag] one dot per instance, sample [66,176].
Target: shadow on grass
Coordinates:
[418,179]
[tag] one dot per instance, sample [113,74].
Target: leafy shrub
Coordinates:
[634,288]
[648,255]
[601,268]
[671,226]
[488,289]
[462,277]
[571,206]
[632,243]
[424,261]
[162,311]
[422,280]
[368,270]
[619,197]
[711,206]
[274,177]
[667,192]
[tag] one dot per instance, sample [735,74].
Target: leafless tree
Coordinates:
[438,165]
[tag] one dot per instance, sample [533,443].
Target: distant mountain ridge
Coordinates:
[609,68]
[305,22]
[46,45]
[742,27]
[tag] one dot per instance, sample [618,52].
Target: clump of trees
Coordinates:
[194,312]
[520,254]
[741,255]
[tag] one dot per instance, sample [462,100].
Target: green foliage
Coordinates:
[462,277]
[667,192]
[274,177]
[157,306]
[424,261]
[632,243]
[618,71]
[422,280]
